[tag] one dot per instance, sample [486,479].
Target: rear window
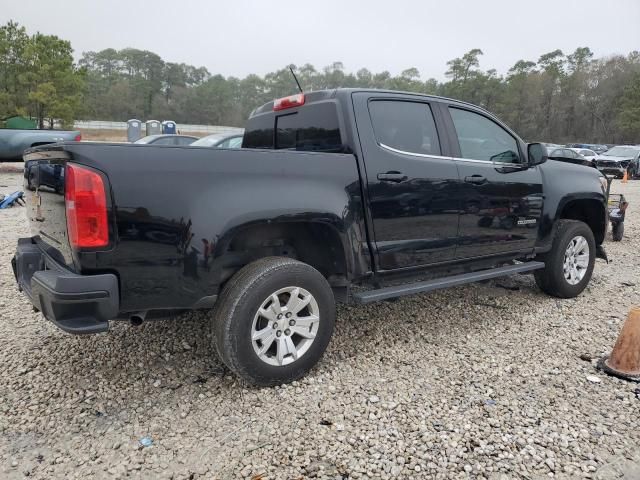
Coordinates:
[313,127]
[259,132]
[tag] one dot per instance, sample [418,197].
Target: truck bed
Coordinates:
[172,210]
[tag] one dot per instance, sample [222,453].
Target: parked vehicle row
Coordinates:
[598,148]
[14,142]
[217,140]
[614,161]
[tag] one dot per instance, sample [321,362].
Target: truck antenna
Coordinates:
[295,78]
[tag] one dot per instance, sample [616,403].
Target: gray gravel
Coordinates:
[475,382]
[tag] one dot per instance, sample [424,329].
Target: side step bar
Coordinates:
[439,283]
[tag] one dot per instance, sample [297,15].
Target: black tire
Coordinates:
[617,232]
[238,304]
[551,279]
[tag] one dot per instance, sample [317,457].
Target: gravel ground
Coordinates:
[483,381]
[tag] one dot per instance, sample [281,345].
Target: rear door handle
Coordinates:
[475,179]
[392,177]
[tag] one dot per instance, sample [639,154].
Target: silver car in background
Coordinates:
[220,140]
[586,153]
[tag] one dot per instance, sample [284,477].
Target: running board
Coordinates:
[439,283]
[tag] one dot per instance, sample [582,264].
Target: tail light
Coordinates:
[78,137]
[288,102]
[86,207]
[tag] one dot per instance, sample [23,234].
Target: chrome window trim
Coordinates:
[425,155]
[508,164]
[422,155]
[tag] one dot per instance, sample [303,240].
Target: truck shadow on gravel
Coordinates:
[172,352]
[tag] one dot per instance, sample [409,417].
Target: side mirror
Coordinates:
[537,154]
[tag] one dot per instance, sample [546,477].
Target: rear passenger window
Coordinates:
[483,139]
[312,128]
[259,132]
[405,126]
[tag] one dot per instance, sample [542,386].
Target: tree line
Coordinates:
[38,77]
[558,97]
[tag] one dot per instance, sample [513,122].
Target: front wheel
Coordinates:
[569,264]
[273,320]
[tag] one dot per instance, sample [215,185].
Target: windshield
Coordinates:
[622,152]
[145,139]
[209,141]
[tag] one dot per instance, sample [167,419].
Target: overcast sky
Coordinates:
[241,37]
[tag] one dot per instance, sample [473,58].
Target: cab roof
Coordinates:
[316,96]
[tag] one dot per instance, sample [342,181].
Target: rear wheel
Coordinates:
[273,320]
[569,264]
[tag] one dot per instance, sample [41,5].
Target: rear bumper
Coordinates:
[75,303]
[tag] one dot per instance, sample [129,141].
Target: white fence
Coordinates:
[101,125]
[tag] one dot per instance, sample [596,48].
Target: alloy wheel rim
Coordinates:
[285,326]
[576,260]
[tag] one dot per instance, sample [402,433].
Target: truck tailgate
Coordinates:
[44,195]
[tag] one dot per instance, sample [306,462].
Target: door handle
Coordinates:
[392,177]
[475,179]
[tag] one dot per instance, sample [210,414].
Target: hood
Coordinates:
[611,158]
[561,167]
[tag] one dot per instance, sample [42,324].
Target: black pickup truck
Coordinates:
[345,195]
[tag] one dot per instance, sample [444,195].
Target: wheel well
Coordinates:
[590,212]
[316,244]
[37,144]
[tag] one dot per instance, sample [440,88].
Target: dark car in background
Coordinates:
[167,139]
[220,140]
[618,159]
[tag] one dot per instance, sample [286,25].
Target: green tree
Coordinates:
[13,44]
[53,83]
[628,117]
[559,98]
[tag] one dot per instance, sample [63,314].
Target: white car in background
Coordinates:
[220,140]
[586,153]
